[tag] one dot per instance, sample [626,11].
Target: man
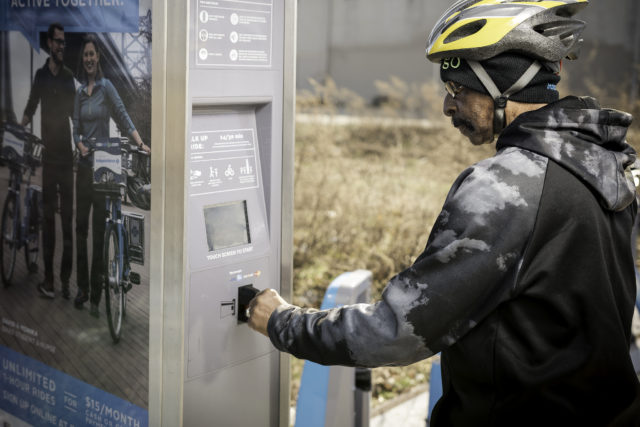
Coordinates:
[526,284]
[54,89]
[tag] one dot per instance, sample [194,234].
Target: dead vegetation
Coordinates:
[366,195]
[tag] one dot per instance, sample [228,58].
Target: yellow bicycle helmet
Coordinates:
[482,29]
[479,30]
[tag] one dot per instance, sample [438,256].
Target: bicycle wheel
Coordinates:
[32,242]
[9,238]
[113,289]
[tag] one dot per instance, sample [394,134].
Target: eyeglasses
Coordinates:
[453,88]
[61,42]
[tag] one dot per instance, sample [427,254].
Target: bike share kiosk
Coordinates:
[223,106]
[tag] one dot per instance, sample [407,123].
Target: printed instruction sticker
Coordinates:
[222,161]
[234,33]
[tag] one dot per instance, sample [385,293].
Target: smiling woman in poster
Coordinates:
[96,102]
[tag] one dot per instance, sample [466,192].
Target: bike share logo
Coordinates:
[107,168]
[11,143]
[113,162]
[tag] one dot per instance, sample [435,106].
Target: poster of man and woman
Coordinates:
[75,92]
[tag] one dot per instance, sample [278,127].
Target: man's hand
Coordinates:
[261,307]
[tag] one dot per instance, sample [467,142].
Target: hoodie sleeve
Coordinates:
[469,266]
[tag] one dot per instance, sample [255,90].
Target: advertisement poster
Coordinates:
[75,131]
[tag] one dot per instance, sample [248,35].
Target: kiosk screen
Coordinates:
[227,225]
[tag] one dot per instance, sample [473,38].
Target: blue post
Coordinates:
[435,385]
[314,384]
[323,400]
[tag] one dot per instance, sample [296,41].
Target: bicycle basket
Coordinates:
[13,143]
[108,174]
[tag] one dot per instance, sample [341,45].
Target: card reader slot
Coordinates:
[245,295]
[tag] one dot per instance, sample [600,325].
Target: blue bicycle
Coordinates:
[22,152]
[115,161]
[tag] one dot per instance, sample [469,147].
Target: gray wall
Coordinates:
[359,41]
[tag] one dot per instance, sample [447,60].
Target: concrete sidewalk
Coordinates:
[409,411]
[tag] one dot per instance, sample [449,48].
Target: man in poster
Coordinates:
[53,87]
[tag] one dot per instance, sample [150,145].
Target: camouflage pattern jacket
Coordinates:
[526,284]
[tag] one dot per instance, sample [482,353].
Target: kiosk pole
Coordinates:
[222,166]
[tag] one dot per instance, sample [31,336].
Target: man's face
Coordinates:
[471,113]
[56,46]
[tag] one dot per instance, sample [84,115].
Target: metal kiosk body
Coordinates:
[223,106]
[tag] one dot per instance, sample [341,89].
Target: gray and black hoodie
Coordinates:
[526,284]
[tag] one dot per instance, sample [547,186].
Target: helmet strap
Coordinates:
[500,98]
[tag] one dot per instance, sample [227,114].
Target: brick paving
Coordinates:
[71,340]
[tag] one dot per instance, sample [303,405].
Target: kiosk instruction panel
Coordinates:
[227,217]
[222,160]
[234,33]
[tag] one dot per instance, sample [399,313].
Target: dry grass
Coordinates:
[366,196]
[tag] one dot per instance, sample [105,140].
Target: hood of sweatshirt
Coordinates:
[585,139]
